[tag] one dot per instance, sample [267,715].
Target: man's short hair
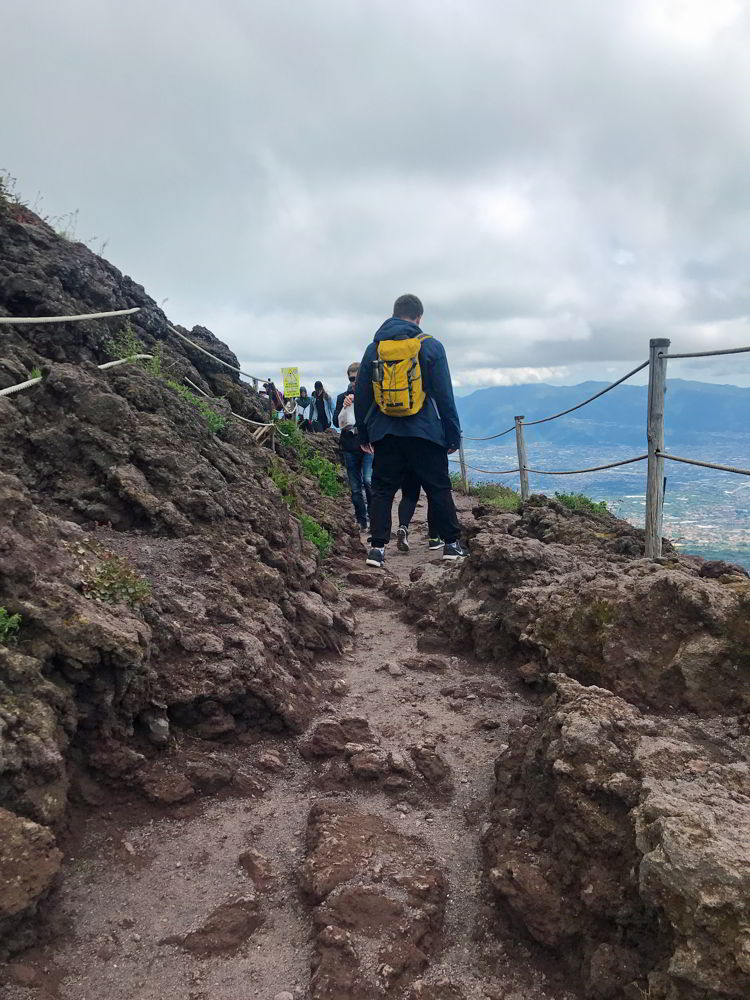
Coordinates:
[354,366]
[408,307]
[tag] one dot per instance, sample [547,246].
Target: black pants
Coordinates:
[410,492]
[394,458]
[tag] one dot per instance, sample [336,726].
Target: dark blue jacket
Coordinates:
[437,420]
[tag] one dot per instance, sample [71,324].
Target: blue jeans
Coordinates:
[359,471]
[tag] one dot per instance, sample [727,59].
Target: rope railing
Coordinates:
[603,392]
[708,354]
[489,472]
[656,455]
[595,468]
[705,465]
[492,437]
[79,318]
[226,364]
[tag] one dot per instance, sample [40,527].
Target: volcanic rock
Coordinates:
[374,894]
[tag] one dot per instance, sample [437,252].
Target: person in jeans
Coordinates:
[322,410]
[419,443]
[358,463]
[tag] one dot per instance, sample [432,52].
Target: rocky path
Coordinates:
[355,850]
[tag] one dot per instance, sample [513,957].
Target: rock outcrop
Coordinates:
[162,580]
[619,834]
[571,593]
[621,843]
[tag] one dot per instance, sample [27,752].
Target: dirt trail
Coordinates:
[142,878]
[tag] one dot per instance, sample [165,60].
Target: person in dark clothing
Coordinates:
[410,493]
[322,410]
[419,443]
[358,463]
[304,409]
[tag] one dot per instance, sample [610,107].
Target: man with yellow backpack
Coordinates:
[406,418]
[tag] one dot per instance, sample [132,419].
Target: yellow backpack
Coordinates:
[397,378]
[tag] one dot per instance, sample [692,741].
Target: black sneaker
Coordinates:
[454,551]
[402,539]
[435,543]
[375,557]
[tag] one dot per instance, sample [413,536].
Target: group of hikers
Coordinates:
[398,423]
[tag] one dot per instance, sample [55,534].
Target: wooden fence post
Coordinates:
[657,387]
[521,447]
[462,460]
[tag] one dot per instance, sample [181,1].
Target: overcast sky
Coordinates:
[558,180]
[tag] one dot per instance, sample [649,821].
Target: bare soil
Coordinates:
[207,900]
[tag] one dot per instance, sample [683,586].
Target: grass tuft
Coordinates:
[321,469]
[580,502]
[317,534]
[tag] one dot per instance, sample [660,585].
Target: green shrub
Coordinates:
[36,372]
[9,626]
[317,534]
[320,468]
[510,502]
[284,481]
[495,494]
[214,420]
[326,473]
[577,501]
[292,436]
[113,580]
[124,344]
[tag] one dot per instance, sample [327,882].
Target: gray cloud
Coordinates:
[559,182]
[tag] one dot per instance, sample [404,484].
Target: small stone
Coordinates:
[284,995]
[271,761]
[530,672]
[395,670]
[127,846]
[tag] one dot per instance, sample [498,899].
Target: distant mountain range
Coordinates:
[692,409]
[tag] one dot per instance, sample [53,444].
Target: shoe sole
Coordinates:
[373,562]
[453,558]
[402,545]
[434,548]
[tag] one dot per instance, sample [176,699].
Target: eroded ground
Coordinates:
[349,868]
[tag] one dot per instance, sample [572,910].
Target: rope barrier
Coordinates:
[544,420]
[707,354]
[124,361]
[20,386]
[491,472]
[569,472]
[596,468]
[246,420]
[17,320]
[208,354]
[491,436]
[705,465]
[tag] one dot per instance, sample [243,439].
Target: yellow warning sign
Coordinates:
[291,381]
